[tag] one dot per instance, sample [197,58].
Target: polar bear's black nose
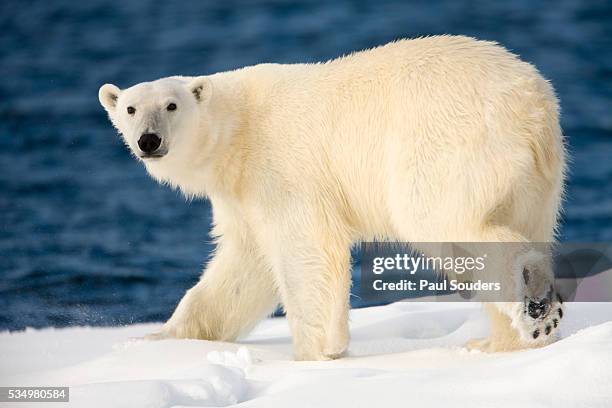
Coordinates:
[149,142]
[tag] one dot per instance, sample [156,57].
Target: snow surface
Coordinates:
[405,354]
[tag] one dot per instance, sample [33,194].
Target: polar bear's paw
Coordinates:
[532,323]
[159,335]
[479,345]
[539,318]
[313,349]
[335,352]
[536,319]
[522,325]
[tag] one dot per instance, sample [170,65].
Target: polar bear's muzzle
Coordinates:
[149,144]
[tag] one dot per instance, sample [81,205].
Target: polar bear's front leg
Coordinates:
[314,282]
[235,292]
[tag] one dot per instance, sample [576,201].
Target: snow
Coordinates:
[403,354]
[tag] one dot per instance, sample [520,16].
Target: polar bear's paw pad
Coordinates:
[541,317]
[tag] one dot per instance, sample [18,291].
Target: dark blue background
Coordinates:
[86,237]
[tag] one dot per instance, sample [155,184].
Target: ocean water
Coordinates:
[86,237]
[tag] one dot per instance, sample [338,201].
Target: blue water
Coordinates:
[86,237]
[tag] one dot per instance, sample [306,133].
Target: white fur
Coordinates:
[434,139]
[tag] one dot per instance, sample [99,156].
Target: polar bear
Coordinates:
[442,138]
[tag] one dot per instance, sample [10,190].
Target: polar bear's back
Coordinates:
[447,91]
[439,119]
[437,51]
[406,87]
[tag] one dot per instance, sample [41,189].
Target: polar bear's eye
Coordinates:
[171,107]
[131,110]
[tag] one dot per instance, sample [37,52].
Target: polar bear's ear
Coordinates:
[108,95]
[201,88]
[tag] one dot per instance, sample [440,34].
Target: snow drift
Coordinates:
[403,354]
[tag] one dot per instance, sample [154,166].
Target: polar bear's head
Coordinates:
[157,119]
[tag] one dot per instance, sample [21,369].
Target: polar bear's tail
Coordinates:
[549,152]
[540,189]
[547,144]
